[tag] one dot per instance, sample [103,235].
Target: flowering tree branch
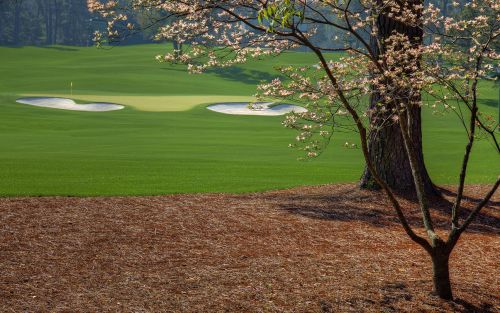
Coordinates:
[396,69]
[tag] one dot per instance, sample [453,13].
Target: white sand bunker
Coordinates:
[68,104]
[260,108]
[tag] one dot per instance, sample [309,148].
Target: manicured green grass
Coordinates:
[153,103]
[137,151]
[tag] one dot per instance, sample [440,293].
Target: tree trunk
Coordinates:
[441,275]
[17,22]
[177,48]
[387,152]
[48,23]
[56,22]
[385,141]
[3,33]
[71,29]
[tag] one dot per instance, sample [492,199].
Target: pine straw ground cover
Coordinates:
[312,249]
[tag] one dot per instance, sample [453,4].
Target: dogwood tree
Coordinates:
[385,143]
[407,56]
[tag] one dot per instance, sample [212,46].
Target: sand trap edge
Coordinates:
[263,108]
[69,104]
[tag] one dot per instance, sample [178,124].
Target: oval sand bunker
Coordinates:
[68,104]
[263,108]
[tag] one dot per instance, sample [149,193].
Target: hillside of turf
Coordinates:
[165,141]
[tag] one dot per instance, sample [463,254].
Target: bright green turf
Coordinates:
[152,103]
[56,152]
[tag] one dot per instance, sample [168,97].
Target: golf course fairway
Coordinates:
[166,141]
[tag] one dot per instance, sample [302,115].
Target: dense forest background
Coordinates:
[45,22]
[68,22]
[50,22]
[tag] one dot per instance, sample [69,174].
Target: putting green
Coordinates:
[166,141]
[173,103]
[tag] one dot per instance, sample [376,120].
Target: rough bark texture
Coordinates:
[386,146]
[441,275]
[389,156]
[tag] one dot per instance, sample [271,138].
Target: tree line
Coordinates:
[46,22]
[68,22]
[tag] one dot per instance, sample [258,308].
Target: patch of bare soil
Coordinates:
[312,249]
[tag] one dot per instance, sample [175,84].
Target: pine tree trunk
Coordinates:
[385,141]
[48,23]
[17,23]
[441,275]
[56,22]
[3,34]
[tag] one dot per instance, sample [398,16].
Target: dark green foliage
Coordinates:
[45,22]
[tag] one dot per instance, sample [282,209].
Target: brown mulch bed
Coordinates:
[311,249]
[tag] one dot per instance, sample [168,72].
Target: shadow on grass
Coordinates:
[252,77]
[238,74]
[490,102]
[68,49]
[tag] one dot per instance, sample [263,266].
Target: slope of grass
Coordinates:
[55,152]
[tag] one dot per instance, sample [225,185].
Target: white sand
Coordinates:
[242,108]
[68,104]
